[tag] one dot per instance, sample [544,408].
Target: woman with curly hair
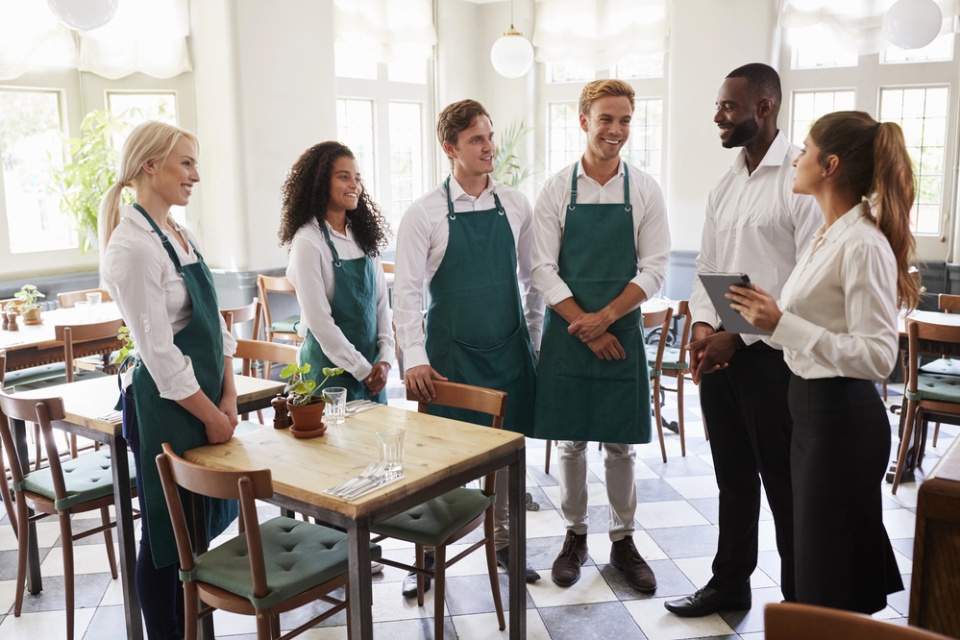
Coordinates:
[335,232]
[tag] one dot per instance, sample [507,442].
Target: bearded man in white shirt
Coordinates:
[754,224]
[601,249]
[469,241]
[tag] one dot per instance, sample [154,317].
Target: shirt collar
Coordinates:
[333,231]
[845,222]
[774,156]
[583,174]
[139,219]
[457,192]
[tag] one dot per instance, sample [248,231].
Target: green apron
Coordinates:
[354,311]
[579,396]
[162,420]
[476,332]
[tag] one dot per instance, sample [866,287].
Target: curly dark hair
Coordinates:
[306,193]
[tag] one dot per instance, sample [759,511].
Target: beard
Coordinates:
[741,133]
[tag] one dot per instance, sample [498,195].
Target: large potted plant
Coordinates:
[304,404]
[27,305]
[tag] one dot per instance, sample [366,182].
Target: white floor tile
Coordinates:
[694,487]
[484,626]
[675,513]
[388,604]
[900,523]
[589,589]
[90,558]
[49,625]
[659,624]
[698,570]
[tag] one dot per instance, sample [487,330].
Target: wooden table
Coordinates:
[935,583]
[439,455]
[87,405]
[35,345]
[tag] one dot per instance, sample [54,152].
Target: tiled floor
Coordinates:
[676,532]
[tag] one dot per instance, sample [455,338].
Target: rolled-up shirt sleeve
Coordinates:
[547,238]
[413,247]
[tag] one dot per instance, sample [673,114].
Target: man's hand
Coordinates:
[607,347]
[590,326]
[419,380]
[377,380]
[712,353]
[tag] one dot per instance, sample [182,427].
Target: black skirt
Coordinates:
[839,454]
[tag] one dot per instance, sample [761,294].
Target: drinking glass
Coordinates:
[336,407]
[391,448]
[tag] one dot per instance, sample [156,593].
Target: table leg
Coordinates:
[518,546]
[126,537]
[360,586]
[34,582]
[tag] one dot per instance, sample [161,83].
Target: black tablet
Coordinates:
[717,286]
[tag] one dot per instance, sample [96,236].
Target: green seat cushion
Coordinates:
[86,477]
[290,324]
[23,379]
[942,366]
[297,555]
[671,358]
[434,521]
[935,387]
[246,426]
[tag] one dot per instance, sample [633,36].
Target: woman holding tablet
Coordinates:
[837,323]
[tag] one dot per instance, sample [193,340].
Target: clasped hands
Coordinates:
[591,329]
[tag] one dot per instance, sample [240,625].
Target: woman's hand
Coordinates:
[377,380]
[756,305]
[219,427]
[228,406]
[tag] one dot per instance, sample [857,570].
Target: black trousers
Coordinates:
[745,409]
[841,446]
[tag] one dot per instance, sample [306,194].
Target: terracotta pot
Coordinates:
[307,420]
[31,315]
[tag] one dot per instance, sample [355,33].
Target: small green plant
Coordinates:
[27,297]
[123,334]
[302,392]
[506,164]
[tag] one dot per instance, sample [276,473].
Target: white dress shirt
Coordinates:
[422,242]
[840,304]
[153,300]
[650,231]
[756,225]
[311,271]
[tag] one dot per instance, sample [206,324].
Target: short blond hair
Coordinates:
[601,88]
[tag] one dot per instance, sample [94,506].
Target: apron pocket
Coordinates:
[494,366]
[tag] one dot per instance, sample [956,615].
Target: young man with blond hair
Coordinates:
[600,249]
[469,241]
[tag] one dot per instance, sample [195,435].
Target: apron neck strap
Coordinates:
[626,187]
[333,249]
[166,241]
[452,214]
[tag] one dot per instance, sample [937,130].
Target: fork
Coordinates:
[343,485]
[369,485]
[371,473]
[372,480]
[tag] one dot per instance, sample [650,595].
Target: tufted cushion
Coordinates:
[671,357]
[432,522]
[287,325]
[297,555]
[942,366]
[87,477]
[933,387]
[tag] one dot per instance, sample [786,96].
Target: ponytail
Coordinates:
[893,194]
[109,216]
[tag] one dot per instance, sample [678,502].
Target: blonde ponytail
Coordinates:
[109,216]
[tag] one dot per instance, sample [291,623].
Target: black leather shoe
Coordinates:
[410,582]
[503,560]
[706,601]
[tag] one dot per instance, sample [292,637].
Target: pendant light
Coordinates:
[512,54]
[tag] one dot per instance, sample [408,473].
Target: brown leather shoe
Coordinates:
[625,557]
[566,568]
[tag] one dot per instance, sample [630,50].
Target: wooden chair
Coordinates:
[4,487]
[286,329]
[268,568]
[944,365]
[246,313]
[674,365]
[926,393]
[445,520]
[61,489]
[255,353]
[651,320]
[68,299]
[792,621]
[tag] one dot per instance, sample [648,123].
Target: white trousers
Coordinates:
[621,491]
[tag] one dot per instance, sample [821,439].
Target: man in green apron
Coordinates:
[470,241]
[601,247]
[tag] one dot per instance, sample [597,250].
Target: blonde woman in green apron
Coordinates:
[470,241]
[181,388]
[335,232]
[601,247]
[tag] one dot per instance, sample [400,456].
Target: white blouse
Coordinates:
[153,300]
[311,272]
[840,304]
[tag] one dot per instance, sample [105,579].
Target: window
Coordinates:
[816,48]
[569,72]
[406,156]
[355,129]
[810,105]
[31,144]
[637,66]
[940,49]
[567,140]
[644,147]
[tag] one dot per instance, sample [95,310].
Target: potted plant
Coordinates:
[304,404]
[27,305]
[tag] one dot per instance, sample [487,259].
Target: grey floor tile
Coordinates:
[88,590]
[709,508]
[752,620]
[108,623]
[671,582]
[601,621]
[686,542]
[657,490]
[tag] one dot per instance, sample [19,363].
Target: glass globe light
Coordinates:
[912,24]
[512,54]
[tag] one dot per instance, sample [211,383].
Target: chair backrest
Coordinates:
[72,334]
[948,303]
[40,411]
[659,319]
[3,366]
[5,302]
[919,332]
[253,350]
[683,311]
[246,313]
[792,621]
[272,284]
[245,486]
[388,267]
[68,299]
